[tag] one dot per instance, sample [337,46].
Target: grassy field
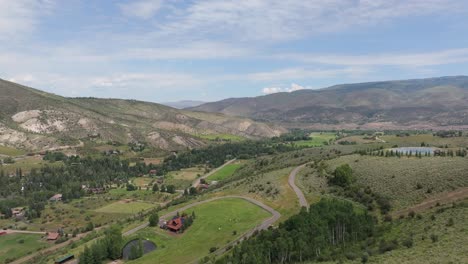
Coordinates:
[213,227]
[143,195]
[14,246]
[225,172]
[183,178]
[317,139]
[11,151]
[143,182]
[123,207]
[407,181]
[27,164]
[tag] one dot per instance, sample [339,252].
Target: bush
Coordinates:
[411,214]
[450,222]
[213,249]
[364,258]
[21,241]
[434,238]
[408,242]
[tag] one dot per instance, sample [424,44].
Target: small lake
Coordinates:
[414,150]
[148,246]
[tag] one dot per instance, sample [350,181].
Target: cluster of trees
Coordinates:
[344,179]
[328,230]
[55,156]
[164,188]
[215,156]
[419,154]
[109,247]
[34,189]
[293,135]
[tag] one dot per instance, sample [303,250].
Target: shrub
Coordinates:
[213,249]
[408,242]
[434,238]
[411,214]
[450,222]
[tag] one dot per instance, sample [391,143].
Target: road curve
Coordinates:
[292,182]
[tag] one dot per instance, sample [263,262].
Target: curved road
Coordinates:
[197,181]
[292,182]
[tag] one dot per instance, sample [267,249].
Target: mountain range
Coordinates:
[184,104]
[434,103]
[36,120]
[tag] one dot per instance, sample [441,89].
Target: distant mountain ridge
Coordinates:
[184,104]
[433,103]
[33,119]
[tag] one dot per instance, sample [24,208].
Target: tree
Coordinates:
[343,176]
[171,189]
[155,188]
[153,219]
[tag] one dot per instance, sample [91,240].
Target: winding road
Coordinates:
[292,182]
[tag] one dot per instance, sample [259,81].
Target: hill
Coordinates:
[34,119]
[408,104]
[184,104]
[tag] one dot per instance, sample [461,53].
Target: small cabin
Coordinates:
[175,224]
[56,198]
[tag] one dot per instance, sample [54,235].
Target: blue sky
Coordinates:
[157,50]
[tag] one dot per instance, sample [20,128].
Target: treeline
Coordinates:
[34,189]
[109,247]
[327,231]
[215,156]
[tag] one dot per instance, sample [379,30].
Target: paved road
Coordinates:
[197,181]
[264,225]
[292,182]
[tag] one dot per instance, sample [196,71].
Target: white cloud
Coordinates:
[279,20]
[294,87]
[409,59]
[143,9]
[302,73]
[19,17]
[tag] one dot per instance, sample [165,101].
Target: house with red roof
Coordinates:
[175,224]
[53,236]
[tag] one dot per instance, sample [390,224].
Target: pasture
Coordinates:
[225,172]
[125,207]
[317,139]
[10,151]
[221,137]
[14,246]
[183,178]
[216,224]
[407,181]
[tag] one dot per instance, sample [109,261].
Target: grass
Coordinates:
[122,207]
[434,141]
[224,172]
[213,227]
[27,164]
[11,248]
[183,178]
[221,137]
[407,181]
[317,139]
[451,237]
[11,151]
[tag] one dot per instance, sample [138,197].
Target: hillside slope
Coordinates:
[419,104]
[33,119]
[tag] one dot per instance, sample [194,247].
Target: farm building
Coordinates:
[53,236]
[56,198]
[17,212]
[153,172]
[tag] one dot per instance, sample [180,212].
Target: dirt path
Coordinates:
[443,198]
[292,182]
[197,181]
[11,231]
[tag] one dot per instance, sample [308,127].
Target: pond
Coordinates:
[414,150]
[148,246]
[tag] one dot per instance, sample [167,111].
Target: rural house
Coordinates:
[56,198]
[53,236]
[175,224]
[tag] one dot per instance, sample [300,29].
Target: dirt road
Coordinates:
[443,198]
[292,182]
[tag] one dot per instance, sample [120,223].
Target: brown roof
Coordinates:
[175,224]
[53,236]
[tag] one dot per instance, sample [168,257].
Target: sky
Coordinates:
[171,50]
